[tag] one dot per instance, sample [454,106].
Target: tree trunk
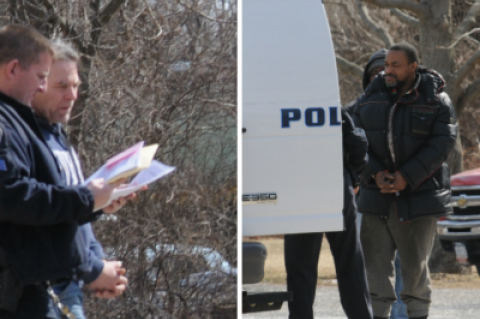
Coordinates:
[436,31]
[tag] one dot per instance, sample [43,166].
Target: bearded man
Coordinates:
[410,126]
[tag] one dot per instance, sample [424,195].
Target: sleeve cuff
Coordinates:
[97,268]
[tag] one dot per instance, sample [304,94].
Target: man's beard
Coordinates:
[397,84]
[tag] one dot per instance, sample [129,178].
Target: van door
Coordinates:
[292,143]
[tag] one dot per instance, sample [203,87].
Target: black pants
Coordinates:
[302,252]
[35,303]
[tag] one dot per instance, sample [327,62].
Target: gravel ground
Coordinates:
[447,303]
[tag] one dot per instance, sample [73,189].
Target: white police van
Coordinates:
[292,142]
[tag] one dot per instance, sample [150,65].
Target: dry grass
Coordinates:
[275,268]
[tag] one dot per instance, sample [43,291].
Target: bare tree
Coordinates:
[163,72]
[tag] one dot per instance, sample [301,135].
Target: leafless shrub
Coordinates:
[163,72]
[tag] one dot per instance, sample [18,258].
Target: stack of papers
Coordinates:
[126,163]
[136,159]
[156,171]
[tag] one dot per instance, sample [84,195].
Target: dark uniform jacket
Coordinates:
[362,143]
[423,133]
[38,216]
[355,147]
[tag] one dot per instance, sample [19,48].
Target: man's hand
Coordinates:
[119,203]
[356,189]
[101,192]
[398,184]
[385,181]
[111,283]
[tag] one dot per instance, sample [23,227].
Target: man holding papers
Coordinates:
[52,109]
[39,215]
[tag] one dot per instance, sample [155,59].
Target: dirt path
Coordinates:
[447,303]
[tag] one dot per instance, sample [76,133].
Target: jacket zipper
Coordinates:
[389,153]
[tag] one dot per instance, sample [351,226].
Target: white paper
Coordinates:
[147,176]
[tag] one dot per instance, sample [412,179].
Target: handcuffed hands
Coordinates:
[390,183]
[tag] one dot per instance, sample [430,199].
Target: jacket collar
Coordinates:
[45,125]
[20,107]
[429,83]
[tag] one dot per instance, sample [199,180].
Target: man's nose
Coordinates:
[71,94]
[42,87]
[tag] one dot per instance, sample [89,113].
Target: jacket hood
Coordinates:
[381,54]
[432,84]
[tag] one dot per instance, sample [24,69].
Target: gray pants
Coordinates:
[414,241]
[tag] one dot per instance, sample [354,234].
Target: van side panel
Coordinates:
[292,146]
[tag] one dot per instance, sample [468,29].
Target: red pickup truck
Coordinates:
[460,233]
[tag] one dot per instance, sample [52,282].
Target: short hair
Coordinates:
[410,51]
[22,43]
[64,51]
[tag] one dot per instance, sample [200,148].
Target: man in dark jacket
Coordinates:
[411,128]
[39,216]
[303,250]
[375,65]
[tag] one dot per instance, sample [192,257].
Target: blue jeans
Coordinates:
[399,309]
[71,295]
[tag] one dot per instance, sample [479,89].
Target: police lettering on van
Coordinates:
[314,116]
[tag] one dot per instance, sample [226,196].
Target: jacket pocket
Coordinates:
[421,124]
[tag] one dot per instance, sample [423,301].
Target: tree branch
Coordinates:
[109,10]
[416,8]
[469,20]
[49,4]
[465,35]
[349,67]
[466,68]
[372,26]
[405,18]
[191,8]
[159,27]
[474,41]
[471,93]
[62,21]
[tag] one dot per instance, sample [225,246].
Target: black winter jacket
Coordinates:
[38,216]
[424,130]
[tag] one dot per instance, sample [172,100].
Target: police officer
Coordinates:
[303,250]
[39,218]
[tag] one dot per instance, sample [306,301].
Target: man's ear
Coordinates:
[414,66]
[11,68]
